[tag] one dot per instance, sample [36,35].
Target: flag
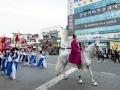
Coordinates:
[17,38]
[8,43]
[46,44]
[3,42]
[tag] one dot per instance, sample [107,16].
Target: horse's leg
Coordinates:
[91,73]
[64,66]
[59,72]
[59,66]
[80,76]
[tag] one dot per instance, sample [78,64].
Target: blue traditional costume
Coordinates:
[12,65]
[4,62]
[42,60]
[33,59]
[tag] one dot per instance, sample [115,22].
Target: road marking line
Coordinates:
[55,80]
[110,74]
[51,64]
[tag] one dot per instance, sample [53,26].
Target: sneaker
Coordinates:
[98,61]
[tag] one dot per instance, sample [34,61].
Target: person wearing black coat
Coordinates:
[116,54]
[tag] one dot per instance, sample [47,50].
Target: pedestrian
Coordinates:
[108,53]
[99,54]
[112,55]
[75,54]
[116,54]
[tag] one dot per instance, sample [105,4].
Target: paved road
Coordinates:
[28,78]
[107,74]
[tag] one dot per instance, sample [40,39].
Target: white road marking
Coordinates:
[55,80]
[110,74]
[51,64]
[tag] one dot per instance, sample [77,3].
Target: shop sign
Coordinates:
[97,11]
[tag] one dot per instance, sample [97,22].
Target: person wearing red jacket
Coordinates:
[75,54]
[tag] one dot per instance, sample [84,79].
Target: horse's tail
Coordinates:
[59,63]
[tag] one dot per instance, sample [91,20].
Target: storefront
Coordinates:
[115,44]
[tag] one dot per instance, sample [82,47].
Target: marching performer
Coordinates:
[33,61]
[21,56]
[26,58]
[4,61]
[42,59]
[12,64]
[9,65]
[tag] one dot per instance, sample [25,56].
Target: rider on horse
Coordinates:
[75,54]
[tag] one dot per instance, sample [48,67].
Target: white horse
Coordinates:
[86,62]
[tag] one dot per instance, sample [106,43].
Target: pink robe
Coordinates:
[75,54]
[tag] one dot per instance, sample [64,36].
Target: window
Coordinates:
[84,2]
[75,1]
[91,0]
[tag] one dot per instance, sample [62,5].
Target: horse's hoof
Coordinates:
[80,81]
[95,83]
[60,73]
[57,75]
[65,77]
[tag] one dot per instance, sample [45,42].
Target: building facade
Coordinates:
[94,19]
[54,37]
[26,40]
[57,32]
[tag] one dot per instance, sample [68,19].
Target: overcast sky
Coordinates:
[31,15]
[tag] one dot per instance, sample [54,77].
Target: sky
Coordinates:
[29,16]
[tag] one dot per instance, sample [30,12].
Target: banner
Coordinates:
[97,11]
[96,24]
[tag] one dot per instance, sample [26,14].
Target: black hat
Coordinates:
[74,36]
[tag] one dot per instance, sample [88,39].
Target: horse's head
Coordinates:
[92,47]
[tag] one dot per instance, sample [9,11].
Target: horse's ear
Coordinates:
[96,42]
